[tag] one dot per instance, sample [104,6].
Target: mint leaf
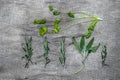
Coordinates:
[43,30]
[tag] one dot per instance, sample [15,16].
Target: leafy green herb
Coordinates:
[104,53]
[46,51]
[56,12]
[43,30]
[70,14]
[57,20]
[56,28]
[50,8]
[42,21]
[27,47]
[83,49]
[62,57]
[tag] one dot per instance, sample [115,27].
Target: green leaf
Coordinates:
[71,14]
[36,21]
[56,28]
[50,8]
[56,12]
[42,21]
[43,30]
[76,44]
[82,42]
[94,49]
[88,34]
[92,25]
[57,20]
[90,43]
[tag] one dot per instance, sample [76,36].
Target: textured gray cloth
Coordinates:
[16,20]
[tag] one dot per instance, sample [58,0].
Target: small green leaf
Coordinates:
[82,42]
[43,30]
[71,14]
[88,34]
[94,49]
[57,20]
[42,21]
[50,8]
[56,28]
[92,25]
[90,43]
[56,12]
[76,44]
[36,21]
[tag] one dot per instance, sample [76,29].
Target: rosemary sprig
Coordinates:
[27,47]
[46,51]
[103,53]
[62,57]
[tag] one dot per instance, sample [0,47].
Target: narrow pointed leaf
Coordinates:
[76,44]
[82,42]
[90,43]
[94,49]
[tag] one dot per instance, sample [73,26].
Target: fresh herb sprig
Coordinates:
[46,51]
[104,53]
[83,49]
[27,47]
[62,57]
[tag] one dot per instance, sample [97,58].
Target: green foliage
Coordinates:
[46,51]
[91,28]
[70,14]
[62,57]
[27,47]
[83,49]
[56,28]
[104,53]
[57,20]
[56,12]
[42,21]
[43,30]
[50,8]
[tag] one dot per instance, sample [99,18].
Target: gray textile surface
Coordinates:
[16,19]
